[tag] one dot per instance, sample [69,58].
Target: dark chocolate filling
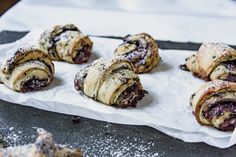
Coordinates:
[183,67]
[82,54]
[228,124]
[130,96]
[230,78]
[137,57]
[231,65]
[218,109]
[33,84]
[52,49]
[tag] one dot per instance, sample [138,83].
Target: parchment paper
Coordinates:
[165,108]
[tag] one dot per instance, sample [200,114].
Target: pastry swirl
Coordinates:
[110,82]
[142,50]
[215,104]
[213,61]
[44,146]
[67,43]
[29,69]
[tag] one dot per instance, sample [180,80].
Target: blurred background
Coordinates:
[199,7]
[178,20]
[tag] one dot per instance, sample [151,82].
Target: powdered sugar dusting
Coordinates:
[107,143]
[119,147]
[10,138]
[13,138]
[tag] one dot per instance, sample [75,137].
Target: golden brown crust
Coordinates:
[67,43]
[29,69]
[105,81]
[47,39]
[208,58]
[142,50]
[209,94]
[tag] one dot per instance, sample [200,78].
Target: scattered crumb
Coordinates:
[11,128]
[34,127]
[76,119]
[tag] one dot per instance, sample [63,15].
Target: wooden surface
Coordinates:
[6,4]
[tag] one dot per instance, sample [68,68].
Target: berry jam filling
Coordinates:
[33,84]
[82,55]
[231,65]
[218,109]
[130,96]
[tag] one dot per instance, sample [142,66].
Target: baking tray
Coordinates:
[18,126]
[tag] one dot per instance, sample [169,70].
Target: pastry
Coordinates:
[110,82]
[213,61]
[67,43]
[215,104]
[27,70]
[43,147]
[142,50]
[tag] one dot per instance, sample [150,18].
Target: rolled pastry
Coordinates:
[67,43]
[110,82]
[43,147]
[215,104]
[27,70]
[213,61]
[142,50]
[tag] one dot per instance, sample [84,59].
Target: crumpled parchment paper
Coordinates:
[165,108]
